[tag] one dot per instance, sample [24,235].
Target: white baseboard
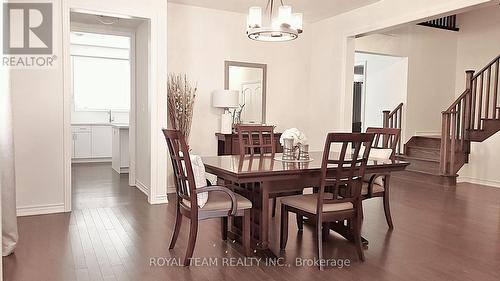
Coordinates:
[142,187]
[491,183]
[170,189]
[40,210]
[160,199]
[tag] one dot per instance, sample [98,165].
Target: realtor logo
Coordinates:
[27,28]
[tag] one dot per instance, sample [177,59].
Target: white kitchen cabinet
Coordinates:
[82,144]
[120,161]
[101,141]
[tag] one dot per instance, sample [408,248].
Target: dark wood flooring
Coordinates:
[441,233]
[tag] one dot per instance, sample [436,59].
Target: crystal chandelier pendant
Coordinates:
[285,26]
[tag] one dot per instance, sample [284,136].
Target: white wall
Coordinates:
[198,47]
[332,57]
[478,44]
[142,107]
[38,132]
[385,85]
[431,57]
[41,113]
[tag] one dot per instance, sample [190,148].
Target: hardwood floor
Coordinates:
[441,233]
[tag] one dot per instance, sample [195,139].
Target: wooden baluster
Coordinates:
[462,123]
[495,92]
[468,100]
[488,85]
[480,103]
[399,127]
[473,105]
[445,129]
[458,109]
[453,142]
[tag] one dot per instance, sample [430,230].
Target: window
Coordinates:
[101,72]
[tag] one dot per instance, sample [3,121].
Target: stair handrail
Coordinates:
[467,113]
[393,119]
[486,67]
[453,133]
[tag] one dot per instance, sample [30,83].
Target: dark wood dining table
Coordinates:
[257,177]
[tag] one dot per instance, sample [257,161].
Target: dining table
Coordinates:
[258,177]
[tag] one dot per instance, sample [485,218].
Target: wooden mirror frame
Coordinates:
[228,63]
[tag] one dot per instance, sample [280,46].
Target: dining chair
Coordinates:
[339,193]
[256,139]
[383,146]
[259,139]
[222,202]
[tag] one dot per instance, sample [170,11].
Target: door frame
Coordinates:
[119,31]
[157,113]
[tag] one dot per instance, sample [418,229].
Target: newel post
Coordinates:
[386,118]
[468,79]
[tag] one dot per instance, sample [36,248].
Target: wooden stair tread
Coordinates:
[423,147]
[429,137]
[418,158]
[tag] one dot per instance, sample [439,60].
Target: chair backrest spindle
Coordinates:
[349,169]
[185,185]
[385,138]
[256,139]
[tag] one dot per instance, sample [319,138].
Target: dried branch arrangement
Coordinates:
[181,96]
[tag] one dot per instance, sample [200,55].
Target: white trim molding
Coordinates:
[161,199]
[490,183]
[40,210]
[142,187]
[170,189]
[156,12]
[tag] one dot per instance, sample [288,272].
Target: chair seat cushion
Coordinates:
[376,188]
[308,203]
[220,201]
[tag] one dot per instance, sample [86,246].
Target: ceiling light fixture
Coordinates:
[283,27]
[107,20]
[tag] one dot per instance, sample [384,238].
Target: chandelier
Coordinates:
[283,27]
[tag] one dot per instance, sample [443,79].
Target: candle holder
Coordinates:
[304,152]
[288,149]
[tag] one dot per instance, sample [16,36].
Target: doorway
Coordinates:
[358,97]
[104,87]
[380,83]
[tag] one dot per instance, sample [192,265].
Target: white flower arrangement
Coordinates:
[298,137]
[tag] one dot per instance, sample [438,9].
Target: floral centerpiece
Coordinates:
[181,96]
[292,140]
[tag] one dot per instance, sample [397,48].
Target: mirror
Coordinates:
[249,79]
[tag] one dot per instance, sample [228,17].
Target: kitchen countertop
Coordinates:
[116,125]
[120,126]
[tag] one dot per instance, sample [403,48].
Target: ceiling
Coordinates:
[313,10]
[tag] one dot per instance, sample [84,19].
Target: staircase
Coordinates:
[473,117]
